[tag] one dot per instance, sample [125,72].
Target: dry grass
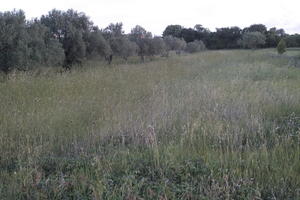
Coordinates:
[215,125]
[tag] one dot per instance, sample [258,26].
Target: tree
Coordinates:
[189,34]
[115,30]
[72,29]
[43,49]
[174,44]
[273,36]
[129,48]
[227,37]
[173,30]
[202,33]
[196,46]
[119,42]
[293,40]
[97,45]
[142,38]
[123,47]
[157,46]
[74,46]
[253,40]
[14,50]
[138,33]
[200,29]
[256,28]
[281,47]
[26,44]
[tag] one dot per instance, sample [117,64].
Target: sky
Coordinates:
[156,15]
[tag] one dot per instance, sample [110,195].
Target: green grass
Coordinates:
[214,125]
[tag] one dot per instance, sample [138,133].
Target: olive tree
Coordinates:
[97,45]
[196,46]
[114,30]
[143,40]
[43,49]
[72,29]
[119,42]
[157,46]
[174,44]
[13,41]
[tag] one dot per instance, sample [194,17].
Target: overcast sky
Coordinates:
[155,15]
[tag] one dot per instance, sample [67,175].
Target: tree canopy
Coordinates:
[253,40]
[66,38]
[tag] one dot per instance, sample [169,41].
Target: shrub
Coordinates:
[196,46]
[174,44]
[123,47]
[157,46]
[281,47]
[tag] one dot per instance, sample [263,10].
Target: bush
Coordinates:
[174,43]
[196,46]
[157,46]
[281,47]
[123,47]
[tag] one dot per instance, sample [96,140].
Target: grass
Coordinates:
[214,125]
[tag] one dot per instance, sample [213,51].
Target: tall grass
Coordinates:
[215,125]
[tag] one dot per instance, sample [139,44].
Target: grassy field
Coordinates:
[214,125]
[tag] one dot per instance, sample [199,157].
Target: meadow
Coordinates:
[213,125]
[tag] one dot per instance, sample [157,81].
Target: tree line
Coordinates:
[234,37]
[66,38]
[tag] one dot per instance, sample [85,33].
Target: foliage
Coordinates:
[66,38]
[97,45]
[26,44]
[293,40]
[189,34]
[13,41]
[196,46]
[142,38]
[256,28]
[114,30]
[123,47]
[225,38]
[43,48]
[72,30]
[273,36]
[157,46]
[200,29]
[119,42]
[74,46]
[138,33]
[253,40]
[173,30]
[174,44]
[281,47]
